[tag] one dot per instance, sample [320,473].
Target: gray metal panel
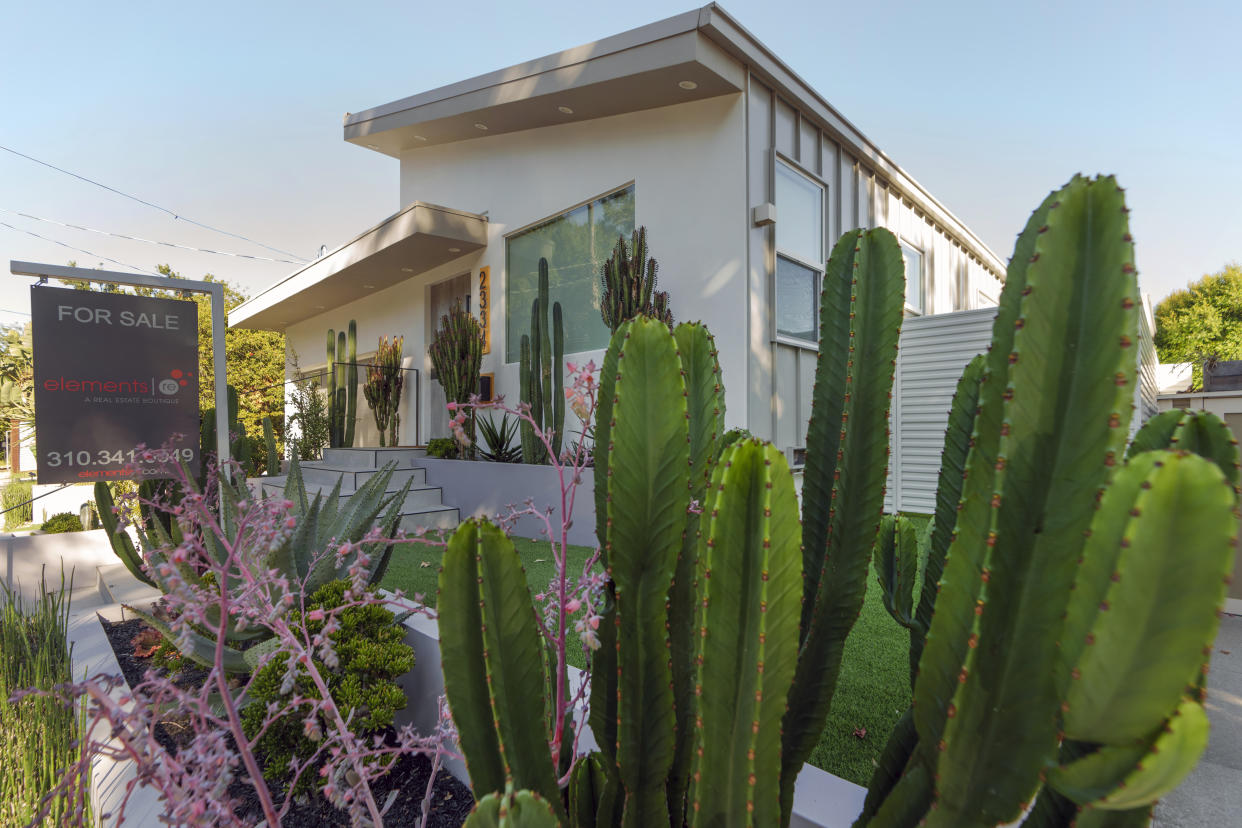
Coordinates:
[787,421]
[808,146]
[806,381]
[760,391]
[831,153]
[786,129]
[933,352]
[848,193]
[866,214]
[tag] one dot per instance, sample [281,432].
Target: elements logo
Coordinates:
[176,380]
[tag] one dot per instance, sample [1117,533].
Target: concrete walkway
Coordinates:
[1212,796]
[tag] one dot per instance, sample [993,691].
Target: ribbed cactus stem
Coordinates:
[351,411]
[334,439]
[383,388]
[457,354]
[628,280]
[542,358]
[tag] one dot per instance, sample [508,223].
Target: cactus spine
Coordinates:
[542,374]
[628,281]
[383,388]
[342,386]
[1064,635]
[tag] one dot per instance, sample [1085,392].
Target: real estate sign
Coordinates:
[113,371]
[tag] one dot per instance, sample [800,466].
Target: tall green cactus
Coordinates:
[342,386]
[1064,635]
[628,280]
[457,355]
[542,374]
[843,487]
[383,388]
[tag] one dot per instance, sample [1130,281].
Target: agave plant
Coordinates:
[321,523]
[499,439]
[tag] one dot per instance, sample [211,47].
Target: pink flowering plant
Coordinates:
[220,581]
[571,606]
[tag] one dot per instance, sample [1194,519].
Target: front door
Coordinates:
[443,296]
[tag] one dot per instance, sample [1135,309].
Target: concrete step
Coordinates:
[419,497]
[372,458]
[439,517]
[353,478]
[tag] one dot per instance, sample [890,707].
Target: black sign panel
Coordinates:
[112,371]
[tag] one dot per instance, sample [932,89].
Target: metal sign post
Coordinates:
[214,289]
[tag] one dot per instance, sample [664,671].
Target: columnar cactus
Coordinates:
[383,388]
[628,281]
[342,386]
[542,374]
[457,355]
[1068,622]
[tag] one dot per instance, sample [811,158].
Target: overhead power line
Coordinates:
[146,241]
[78,249]
[172,213]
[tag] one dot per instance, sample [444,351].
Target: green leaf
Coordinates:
[202,649]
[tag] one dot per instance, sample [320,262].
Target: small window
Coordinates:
[914,276]
[800,253]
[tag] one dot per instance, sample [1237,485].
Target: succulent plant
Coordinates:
[383,388]
[628,281]
[1066,631]
[457,355]
[541,374]
[342,386]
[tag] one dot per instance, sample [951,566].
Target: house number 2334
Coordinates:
[485,307]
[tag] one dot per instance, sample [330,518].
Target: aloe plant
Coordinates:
[1065,638]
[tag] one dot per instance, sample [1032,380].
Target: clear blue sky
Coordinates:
[230,113]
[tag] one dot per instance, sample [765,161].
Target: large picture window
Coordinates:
[575,244]
[799,254]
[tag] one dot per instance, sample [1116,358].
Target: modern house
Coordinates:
[743,175]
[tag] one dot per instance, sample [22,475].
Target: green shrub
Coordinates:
[15,499]
[371,652]
[442,448]
[61,522]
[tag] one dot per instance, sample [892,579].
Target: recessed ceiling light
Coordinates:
[454,249]
[420,137]
[481,126]
[688,84]
[319,307]
[565,110]
[407,270]
[369,287]
[372,146]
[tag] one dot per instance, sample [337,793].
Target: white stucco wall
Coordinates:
[687,164]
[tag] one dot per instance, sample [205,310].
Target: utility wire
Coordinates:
[147,241]
[149,204]
[78,249]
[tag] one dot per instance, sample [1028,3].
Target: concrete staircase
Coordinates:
[423,506]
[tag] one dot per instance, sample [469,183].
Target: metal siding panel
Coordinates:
[866,217]
[759,360]
[832,172]
[786,397]
[786,129]
[934,350]
[808,146]
[806,380]
[848,193]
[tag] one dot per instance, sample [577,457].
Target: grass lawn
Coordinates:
[872,692]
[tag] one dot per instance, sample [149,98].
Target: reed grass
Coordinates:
[38,734]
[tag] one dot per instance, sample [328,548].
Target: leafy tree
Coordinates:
[16,374]
[1202,322]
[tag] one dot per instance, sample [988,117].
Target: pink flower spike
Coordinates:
[452,406]
[573,605]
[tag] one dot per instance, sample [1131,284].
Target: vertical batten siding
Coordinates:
[933,353]
[1146,403]
[779,375]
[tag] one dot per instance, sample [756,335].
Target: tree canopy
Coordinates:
[1202,322]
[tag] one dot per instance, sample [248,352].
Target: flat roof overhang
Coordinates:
[664,63]
[415,240]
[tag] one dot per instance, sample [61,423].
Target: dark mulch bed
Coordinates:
[451,800]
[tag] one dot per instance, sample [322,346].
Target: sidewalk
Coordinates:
[1211,797]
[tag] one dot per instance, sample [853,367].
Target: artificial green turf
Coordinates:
[872,692]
